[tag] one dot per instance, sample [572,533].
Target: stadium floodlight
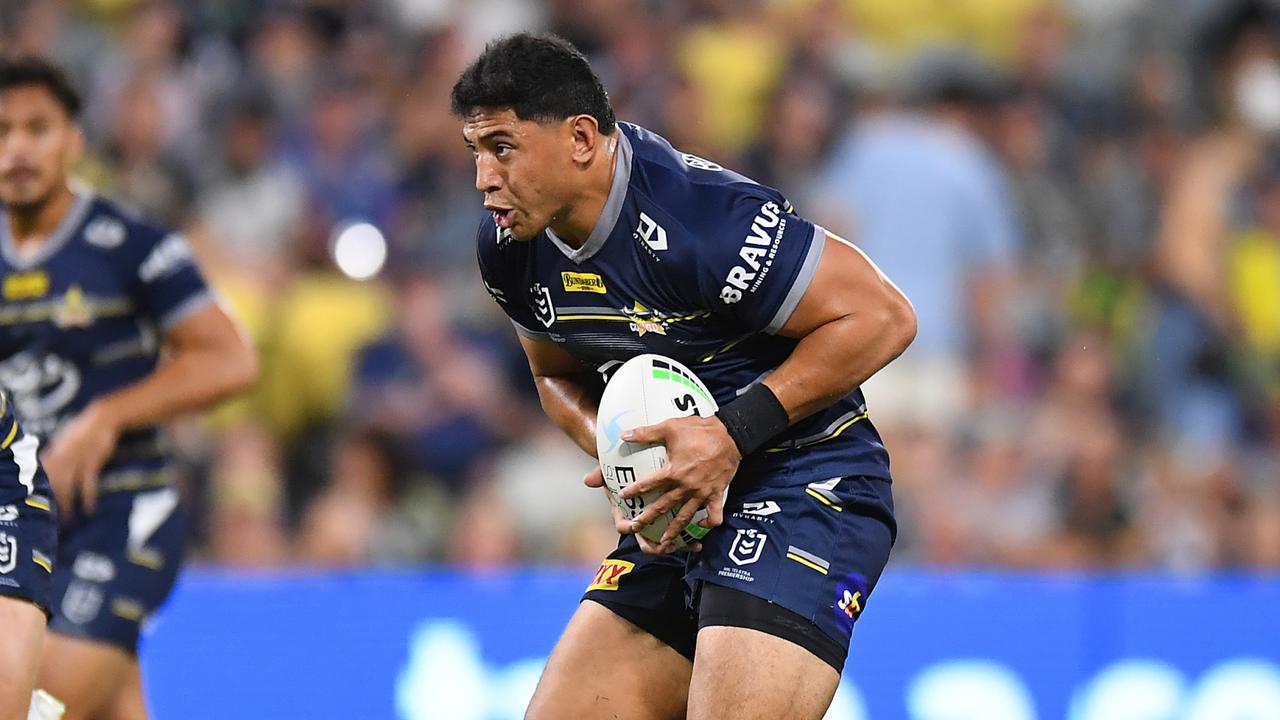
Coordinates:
[359,250]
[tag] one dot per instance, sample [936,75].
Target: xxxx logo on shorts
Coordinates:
[609,573]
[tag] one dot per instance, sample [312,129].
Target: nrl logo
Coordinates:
[747,546]
[542,307]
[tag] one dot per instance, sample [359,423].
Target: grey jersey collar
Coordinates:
[60,236]
[612,208]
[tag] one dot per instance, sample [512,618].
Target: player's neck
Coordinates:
[29,228]
[574,225]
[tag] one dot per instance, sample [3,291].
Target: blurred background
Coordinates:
[1081,197]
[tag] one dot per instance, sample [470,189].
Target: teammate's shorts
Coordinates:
[28,527]
[797,562]
[116,567]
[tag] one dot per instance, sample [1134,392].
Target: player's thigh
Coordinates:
[23,625]
[129,702]
[605,667]
[744,674]
[83,674]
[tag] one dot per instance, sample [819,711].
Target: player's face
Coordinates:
[521,166]
[37,143]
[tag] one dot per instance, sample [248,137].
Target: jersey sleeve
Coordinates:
[167,281]
[758,265]
[500,271]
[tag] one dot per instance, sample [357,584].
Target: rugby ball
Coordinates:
[646,390]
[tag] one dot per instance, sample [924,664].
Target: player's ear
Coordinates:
[584,133]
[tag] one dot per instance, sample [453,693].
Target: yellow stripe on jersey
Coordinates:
[13,433]
[594,317]
[42,562]
[823,500]
[37,503]
[832,436]
[806,563]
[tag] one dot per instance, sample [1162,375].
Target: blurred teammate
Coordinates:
[28,539]
[91,294]
[605,242]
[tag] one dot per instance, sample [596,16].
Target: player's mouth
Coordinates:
[502,217]
[21,174]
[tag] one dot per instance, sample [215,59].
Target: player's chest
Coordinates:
[601,312]
[69,304]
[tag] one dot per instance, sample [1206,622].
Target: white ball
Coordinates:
[646,390]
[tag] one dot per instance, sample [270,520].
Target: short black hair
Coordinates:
[540,77]
[32,70]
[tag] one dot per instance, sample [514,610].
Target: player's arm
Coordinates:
[568,390]
[208,358]
[851,321]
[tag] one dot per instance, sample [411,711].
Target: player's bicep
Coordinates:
[547,359]
[209,327]
[846,282]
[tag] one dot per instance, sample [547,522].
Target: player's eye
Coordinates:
[503,150]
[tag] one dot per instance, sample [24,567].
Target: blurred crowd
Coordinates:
[1082,199]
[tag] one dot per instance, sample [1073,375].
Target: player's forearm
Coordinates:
[571,402]
[837,357]
[192,379]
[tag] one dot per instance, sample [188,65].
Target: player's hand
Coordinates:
[624,525]
[701,460]
[75,459]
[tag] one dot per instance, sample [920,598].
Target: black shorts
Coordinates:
[798,562]
[117,566]
[28,519]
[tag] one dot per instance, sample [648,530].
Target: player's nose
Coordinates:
[488,179]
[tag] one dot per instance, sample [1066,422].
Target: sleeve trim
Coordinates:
[531,334]
[808,269]
[186,309]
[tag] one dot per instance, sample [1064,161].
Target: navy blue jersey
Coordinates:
[85,315]
[695,262]
[28,515]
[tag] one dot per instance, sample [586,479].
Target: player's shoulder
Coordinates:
[138,246]
[111,226]
[692,193]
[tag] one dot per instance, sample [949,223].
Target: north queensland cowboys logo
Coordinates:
[542,307]
[105,232]
[747,546]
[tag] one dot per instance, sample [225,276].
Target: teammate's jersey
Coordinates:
[695,262]
[85,315]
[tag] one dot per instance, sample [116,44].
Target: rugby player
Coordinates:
[603,242]
[91,295]
[28,541]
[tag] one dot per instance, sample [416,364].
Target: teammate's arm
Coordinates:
[208,358]
[568,390]
[851,321]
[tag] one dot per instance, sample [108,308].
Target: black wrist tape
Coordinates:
[754,418]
